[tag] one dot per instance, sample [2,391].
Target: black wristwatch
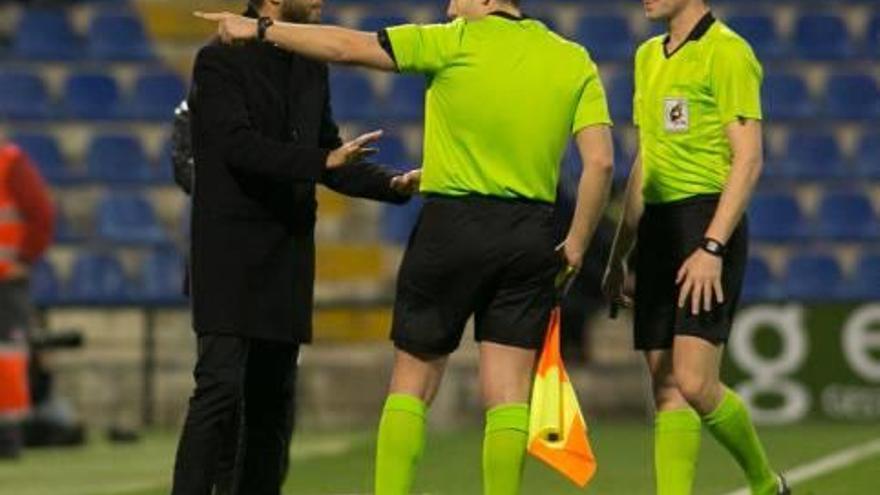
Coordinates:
[713,247]
[263,23]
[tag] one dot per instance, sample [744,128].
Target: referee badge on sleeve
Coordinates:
[676,115]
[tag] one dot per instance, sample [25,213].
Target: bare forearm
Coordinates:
[597,154]
[331,44]
[593,191]
[744,175]
[633,206]
[747,147]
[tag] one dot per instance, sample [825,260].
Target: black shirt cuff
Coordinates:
[385,43]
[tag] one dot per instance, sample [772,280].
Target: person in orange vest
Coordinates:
[26,225]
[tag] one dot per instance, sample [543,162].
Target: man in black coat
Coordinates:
[263,137]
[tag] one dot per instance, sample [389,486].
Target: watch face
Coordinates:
[713,247]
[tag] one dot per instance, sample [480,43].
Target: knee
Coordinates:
[697,390]
[218,387]
[666,393]
[512,390]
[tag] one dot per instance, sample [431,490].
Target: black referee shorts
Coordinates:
[668,234]
[488,257]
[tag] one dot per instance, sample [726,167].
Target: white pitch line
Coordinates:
[827,464]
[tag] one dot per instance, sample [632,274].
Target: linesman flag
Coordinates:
[557,429]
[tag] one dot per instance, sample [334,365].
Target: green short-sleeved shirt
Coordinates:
[504,95]
[683,103]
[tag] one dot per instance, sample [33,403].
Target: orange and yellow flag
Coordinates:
[557,429]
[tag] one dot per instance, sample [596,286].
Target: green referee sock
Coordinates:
[731,425]
[504,448]
[401,443]
[676,449]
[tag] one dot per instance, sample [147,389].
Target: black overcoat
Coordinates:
[261,131]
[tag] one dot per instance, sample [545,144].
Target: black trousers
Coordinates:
[240,420]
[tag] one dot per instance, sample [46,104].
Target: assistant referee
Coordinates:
[698,110]
[504,96]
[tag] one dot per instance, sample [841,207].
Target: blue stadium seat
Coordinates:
[97,279]
[162,277]
[115,36]
[852,96]
[398,221]
[868,155]
[761,32]
[759,284]
[864,283]
[23,96]
[353,96]
[118,159]
[91,96]
[392,153]
[620,97]
[44,152]
[872,40]
[65,233]
[848,216]
[156,95]
[406,100]
[606,37]
[46,35]
[786,97]
[44,284]
[823,37]
[776,217]
[128,218]
[812,277]
[623,159]
[373,23]
[814,155]
[165,173]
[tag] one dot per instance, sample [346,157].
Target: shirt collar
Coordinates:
[696,33]
[508,16]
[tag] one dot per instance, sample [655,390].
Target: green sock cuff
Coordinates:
[678,420]
[406,403]
[729,405]
[508,417]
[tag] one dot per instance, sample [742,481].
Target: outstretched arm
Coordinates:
[331,44]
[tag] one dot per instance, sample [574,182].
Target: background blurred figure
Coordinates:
[26,224]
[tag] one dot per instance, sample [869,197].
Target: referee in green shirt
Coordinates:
[504,96]
[698,111]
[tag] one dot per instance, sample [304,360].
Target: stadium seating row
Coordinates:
[843,215]
[813,277]
[99,278]
[48,35]
[848,96]
[92,95]
[121,219]
[118,158]
[815,37]
[110,159]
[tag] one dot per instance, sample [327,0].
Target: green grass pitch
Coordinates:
[337,464]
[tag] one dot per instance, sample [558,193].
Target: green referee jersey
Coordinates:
[683,102]
[503,96]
